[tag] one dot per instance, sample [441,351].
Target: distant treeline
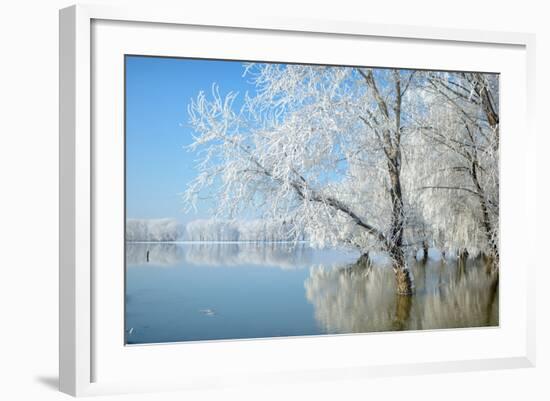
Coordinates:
[212,230]
[153,230]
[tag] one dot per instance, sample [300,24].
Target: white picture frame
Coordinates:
[83,158]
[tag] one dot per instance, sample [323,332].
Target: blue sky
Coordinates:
[158,91]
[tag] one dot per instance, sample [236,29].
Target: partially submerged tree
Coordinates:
[312,144]
[461,195]
[328,146]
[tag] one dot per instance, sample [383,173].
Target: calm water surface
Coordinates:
[211,291]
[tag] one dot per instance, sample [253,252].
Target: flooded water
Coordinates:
[212,291]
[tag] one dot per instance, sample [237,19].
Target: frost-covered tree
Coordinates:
[322,144]
[460,188]
[346,153]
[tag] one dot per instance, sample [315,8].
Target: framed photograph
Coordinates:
[267,200]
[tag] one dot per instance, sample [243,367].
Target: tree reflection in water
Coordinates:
[349,298]
[361,298]
[283,255]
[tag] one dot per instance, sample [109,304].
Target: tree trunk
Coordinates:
[390,138]
[486,219]
[403,307]
[403,278]
[491,263]
[460,267]
[424,251]
[463,254]
[402,274]
[364,261]
[404,282]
